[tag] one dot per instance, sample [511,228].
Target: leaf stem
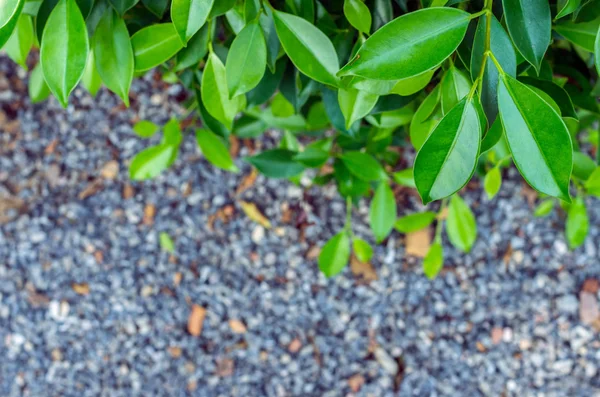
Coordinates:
[348,225]
[486,45]
[493,58]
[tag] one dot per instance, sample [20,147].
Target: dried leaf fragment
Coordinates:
[254,214]
[196,320]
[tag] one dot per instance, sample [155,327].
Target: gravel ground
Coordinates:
[91,306]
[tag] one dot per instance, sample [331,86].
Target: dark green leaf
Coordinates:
[40,20]
[493,136]
[364,166]
[220,7]
[197,47]
[529,24]
[447,159]
[157,7]
[312,157]
[410,45]
[64,49]
[538,138]
[566,7]
[188,16]
[583,34]
[121,6]
[557,93]
[10,10]
[276,163]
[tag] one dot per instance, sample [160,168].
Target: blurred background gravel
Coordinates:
[91,306]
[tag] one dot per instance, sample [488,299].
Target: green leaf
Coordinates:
[597,50]
[355,104]
[544,208]
[583,165]
[566,7]
[215,94]
[364,166]
[410,45]
[268,26]
[121,6]
[558,94]
[447,159]
[538,138]
[188,16]
[152,161]
[309,49]
[215,150]
[18,45]
[312,157]
[197,47]
[145,129]
[220,7]
[172,133]
[247,60]
[91,80]
[166,242]
[592,185]
[64,49]
[10,10]
[38,89]
[335,254]
[578,223]
[425,118]
[154,45]
[362,250]
[433,261]
[414,222]
[157,7]
[382,213]
[529,24]
[583,34]
[358,14]
[405,178]
[276,163]
[460,225]
[492,182]
[503,50]
[455,86]
[114,55]
[492,137]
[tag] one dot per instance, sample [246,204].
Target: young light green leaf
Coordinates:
[447,159]
[583,165]
[455,86]
[578,223]
[215,94]
[358,14]
[172,133]
[64,50]
[215,150]
[91,80]
[433,261]
[412,85]
[114,55]
[592,185]
[355,104]
[362,250]
[492,182]
[544,208]
[529,24]
[38,89]
[405,178]
[246,60]
[335,254]
[152,161]
[382,212]
[425,118]
[166,242]
[121,6]
[566,7]
[410,45]
[364,166]
[145,129]
[188,16]
[154,45]
[414,222]
[460,225]
[276,163]
[10,10]
[18,45]
[583,34]
[503,49]
[538,138]
[309,49]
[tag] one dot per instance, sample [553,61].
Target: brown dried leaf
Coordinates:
[418,243]
[362,270]
[110,170]
[589,312]
[356,382]
[480,347]
[81,289]
[529,194]
[237,327]
[91,189]
[51,147]
[247,182]
[128,191]
[313,252]
[234,146]
[254,214]
[10,208]
[149,213]
[196,320]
